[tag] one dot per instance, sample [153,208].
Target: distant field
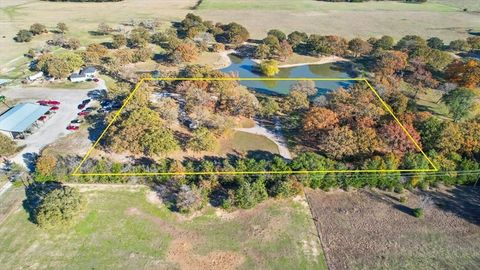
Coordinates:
[79,17]
[312,5]
[124,230]
[442,18]
[372,230]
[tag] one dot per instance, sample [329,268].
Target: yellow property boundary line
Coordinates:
[389,110]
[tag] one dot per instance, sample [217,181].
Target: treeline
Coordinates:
[246,190]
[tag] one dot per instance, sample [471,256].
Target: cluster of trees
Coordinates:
[60,65]
[232,33]
[142,131]
[246,190]
[146,128]
[277,45]
[26,35]
[53,205]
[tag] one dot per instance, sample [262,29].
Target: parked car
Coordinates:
[97,94]
[89,109]
[54,108]
[86,101]
[95,80]
[76,121]
[81,106]
[42,102]
[70,127]
[107,102]
[42,118]
[53,102]
[83,113]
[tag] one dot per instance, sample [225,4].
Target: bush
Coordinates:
[269,68]
[187,200]
[46,164]
[403,199]
[23,36]
[418,212]
[59,207]
[7,146]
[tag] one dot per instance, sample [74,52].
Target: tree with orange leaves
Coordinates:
[396,138]
[390,62]
[319,118]
[465,74]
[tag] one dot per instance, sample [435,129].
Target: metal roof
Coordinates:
[88,70]
[76,75]
[21,117]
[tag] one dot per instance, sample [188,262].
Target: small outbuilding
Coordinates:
[35,76]
[76,77]
[21,118]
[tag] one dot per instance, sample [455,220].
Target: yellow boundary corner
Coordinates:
[137,86]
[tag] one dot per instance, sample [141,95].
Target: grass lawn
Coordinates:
[125,229]
[244,142]
[66,85]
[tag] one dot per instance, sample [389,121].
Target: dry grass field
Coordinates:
[443,18]
[373,230]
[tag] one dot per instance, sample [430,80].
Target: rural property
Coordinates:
[249,134]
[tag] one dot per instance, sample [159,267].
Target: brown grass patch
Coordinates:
[372,230]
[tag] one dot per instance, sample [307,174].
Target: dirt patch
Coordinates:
[373,230]
[181,253]
[181,249]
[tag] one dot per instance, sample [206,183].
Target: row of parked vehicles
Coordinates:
[75,124]
[54,106]
[106,106]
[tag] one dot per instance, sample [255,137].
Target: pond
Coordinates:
[246,68]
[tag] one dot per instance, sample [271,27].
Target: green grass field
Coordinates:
[243,141]
[121,229]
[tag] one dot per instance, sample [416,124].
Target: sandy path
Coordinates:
[277,138]
[226,61]
[322,60]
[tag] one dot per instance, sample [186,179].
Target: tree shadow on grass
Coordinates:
[35,193]
[463,201]
[390,200]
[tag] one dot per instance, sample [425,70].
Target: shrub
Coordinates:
[23,36]
[418,212]
[46,164]
[7,146]
[59,207]
[403,199]
[187,200]
[269,67]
